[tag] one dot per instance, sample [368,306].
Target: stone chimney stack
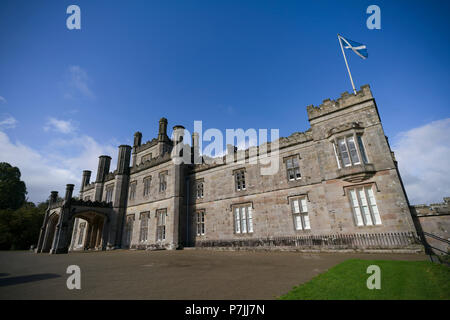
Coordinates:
[120,197]
[123,161]
[104,162]
[137,143]
[162,133]
[86,179]
[69,192]
[178,134]
[196,148]
[53,197]
[231,150]
[137,139]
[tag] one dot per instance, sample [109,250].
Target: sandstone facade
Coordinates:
[337,184]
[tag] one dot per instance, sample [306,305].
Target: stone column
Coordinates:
[42,233]
[105,233]
[87,235]
[62,237]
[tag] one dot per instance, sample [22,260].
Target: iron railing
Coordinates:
[335,241]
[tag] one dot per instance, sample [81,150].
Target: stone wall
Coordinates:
[433,222]
[323,183]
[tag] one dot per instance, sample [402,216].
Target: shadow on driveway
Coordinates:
[30,278]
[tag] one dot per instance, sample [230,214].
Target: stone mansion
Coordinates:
[337,187]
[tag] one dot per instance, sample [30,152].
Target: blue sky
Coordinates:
[68,95]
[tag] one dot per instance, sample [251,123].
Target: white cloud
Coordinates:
[54,166]
[8,123]
[61,126]
[423,156]
[78,82]
[2,100]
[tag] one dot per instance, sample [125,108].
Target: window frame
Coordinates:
[133,187]
[295,167]
[359,146]
[129,226]
[239,179]
[303,215]
[109,192]
[243,219]
[359,214]
[200,222]
[163,181]
[199,191]
[147,181]
[144,217]
[161,215]
[81,228]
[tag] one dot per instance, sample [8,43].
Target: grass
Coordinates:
[400,280]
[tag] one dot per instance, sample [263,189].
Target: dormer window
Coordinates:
[349,151]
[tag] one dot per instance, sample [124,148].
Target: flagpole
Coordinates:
[348,69]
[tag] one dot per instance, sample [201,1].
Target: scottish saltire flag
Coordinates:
[358,48]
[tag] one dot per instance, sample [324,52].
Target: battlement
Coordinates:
[110,176]
[89,186]
[346,100]
[433,208]
[89,203]
[147,145]
[151,163]
[265,148]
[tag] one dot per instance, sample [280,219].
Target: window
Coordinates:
[146,158]
[349,152]
[200,223]
[361,149]
[161,224]
[147,182]
[87,198]
[243,219]
[132,190]
[81,234]
[129,229]
[109,193]
[162,181]
[300,214]
[293,169]
[143,232]
[199,189]
[364,206]
[239,176]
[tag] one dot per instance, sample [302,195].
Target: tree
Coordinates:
[20,229]
[12,189]
[20,221]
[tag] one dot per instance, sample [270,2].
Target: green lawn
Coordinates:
[416,280]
